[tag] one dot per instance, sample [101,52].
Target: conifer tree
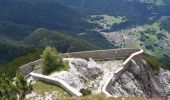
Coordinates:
[50,60]
[23,87]
[8,90]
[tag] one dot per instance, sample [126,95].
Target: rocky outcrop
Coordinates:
[141,80]
[89,69]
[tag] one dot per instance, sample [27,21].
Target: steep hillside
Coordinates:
[84,19]
[9,52]
[115,7]
[142,80]
[44,13]
[18,53]
[10,68]
[138,12]
[14,31]
[64,43]
[19,18]
[11,48]
[38,13]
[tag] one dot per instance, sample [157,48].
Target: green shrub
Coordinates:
[11,89]
[154,63]
[51,61]
[85,92]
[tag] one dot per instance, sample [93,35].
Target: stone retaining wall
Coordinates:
[102,54]
[97,55]
[57,81]
[137,56]
[28,68]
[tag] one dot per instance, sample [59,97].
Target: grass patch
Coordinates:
[103,97]
[41,87]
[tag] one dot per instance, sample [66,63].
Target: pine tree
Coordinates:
[23,87]
[50,60]
[8,90]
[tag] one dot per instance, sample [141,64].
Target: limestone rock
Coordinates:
[92,63]
[93,73]
[89,69]
[141,80]
[134,67]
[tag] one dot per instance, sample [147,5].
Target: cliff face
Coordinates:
[141,80]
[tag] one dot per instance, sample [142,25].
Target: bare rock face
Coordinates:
[127,85]
[141,80]
[80,65]
[134,68]
[90,69]
[93,73]
[93,70]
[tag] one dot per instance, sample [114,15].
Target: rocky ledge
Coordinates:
[142,80]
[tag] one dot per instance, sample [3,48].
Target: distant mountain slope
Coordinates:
[27,24]
[85,2]
[42,37]
[156,2]
[39,38]
[137,11]
[38,13]
[28,14]
[9,51]
[14,31]
[19,18]
[10,68]
[109,6]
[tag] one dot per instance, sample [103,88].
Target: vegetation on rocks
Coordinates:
[51,61]
[85,92]
[154,63]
